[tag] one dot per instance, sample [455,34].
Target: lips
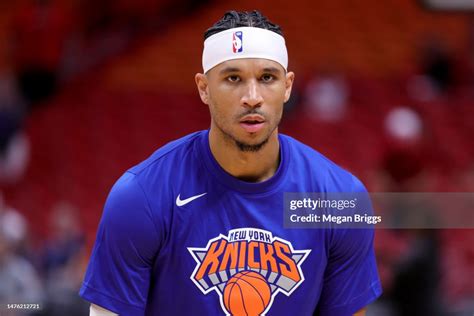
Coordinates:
[252,123]
[252,119]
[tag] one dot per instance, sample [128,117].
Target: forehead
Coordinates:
[254,65]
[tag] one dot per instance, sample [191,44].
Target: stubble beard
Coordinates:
[250,148]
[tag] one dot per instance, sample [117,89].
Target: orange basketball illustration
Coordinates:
[247,293]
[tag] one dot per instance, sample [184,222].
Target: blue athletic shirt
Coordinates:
[181,236]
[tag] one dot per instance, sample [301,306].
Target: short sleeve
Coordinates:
[351,280]
[119,271]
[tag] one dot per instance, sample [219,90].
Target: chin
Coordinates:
[253,145]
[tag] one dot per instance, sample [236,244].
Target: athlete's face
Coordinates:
[245,98]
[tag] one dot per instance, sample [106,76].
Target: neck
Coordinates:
[247,166]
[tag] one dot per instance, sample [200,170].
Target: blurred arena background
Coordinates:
[90,88]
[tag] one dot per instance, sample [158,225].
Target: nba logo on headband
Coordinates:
[237,42]
[259,43]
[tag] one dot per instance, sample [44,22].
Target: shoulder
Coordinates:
[167,153]
[151,182]
[321,169]
[168,164]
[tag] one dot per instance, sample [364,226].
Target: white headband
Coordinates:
[244,42]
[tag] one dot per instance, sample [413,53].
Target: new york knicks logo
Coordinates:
[248,268]
[237,46]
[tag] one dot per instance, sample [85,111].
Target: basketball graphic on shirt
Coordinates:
[248,268]
[247,293]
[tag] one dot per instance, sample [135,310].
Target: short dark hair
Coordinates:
[233,19]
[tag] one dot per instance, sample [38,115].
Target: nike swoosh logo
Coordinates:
[180,202]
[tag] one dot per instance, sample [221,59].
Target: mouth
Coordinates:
[252,123]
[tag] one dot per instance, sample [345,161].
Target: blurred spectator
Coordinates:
[326,96]
[40,30]
[417,275]
[403,160]
[436,71]
[413,275]
[14,227]
[19,282]
[63,262]
[404,125]
[66,239]
[14,145]
[437,64]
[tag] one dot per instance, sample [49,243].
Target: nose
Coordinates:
[252,96]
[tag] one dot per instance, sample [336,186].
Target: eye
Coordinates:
[233,78]
[267,78]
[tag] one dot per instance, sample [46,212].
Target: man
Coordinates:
[197,228]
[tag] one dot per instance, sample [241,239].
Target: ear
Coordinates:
[202,84]
[290,77]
